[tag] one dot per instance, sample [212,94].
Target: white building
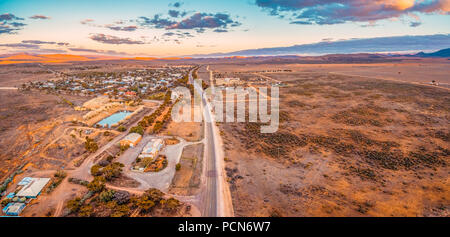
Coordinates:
[152,149]
[33,188]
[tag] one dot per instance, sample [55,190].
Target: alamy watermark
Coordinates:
[228,104]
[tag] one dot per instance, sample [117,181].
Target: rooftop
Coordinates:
[33,188]
[133,137]
[153,146]
[14,208]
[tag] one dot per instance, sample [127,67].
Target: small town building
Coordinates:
[131,140]
[13,208]
[33,188]
[25,181]
[152,149]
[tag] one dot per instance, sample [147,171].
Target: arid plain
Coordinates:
[355,139]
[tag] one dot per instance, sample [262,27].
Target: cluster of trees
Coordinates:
[78,205]
[160,124]
[204,85]
[150,199]
[121,128]
[149,120]
[154,198]
[120,203]
[184,80]
[78,181]
[90,145]
[58,177]
[109,172]
[97,185]
[137,129]
[116,201]
[124,147]
[8,180]
[195,74]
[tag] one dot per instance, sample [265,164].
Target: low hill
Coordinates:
[443,53]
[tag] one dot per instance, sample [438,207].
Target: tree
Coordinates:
[154,194]
[106,195]
[60,174]
[97,185]
[90,145]
[112,170]
[85,211]
[145,204]
[143,123]
[137,129]
[125,147]
[109,158]
[120,211]
[74,204]
[178,167]
[121,129]
[171,204]
[96,170]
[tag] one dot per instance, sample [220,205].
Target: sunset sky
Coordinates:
[171,28]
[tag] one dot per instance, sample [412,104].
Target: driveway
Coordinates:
[162,179]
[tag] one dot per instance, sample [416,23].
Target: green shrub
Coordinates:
[90,145]
[97,185]
[121,129]
[96,170]
[74,204]
[137,129]
[106,195]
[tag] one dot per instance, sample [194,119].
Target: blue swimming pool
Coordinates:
[113,119]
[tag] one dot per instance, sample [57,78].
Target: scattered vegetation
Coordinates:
[109,172]
[121,128]
[116,203]
[58,177]
[137,129]
[90,145]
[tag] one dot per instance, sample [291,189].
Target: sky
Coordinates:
[176,28]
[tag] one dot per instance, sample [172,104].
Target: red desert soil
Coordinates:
[346,146]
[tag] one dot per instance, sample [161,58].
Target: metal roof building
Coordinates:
[33,188]
[25,181]
[153,146]
[131,139]
[13,208]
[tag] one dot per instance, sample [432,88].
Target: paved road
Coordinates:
[212,198]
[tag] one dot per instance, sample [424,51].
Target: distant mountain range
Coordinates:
[281,59]
[370,45]
[65,58]
[443,53]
